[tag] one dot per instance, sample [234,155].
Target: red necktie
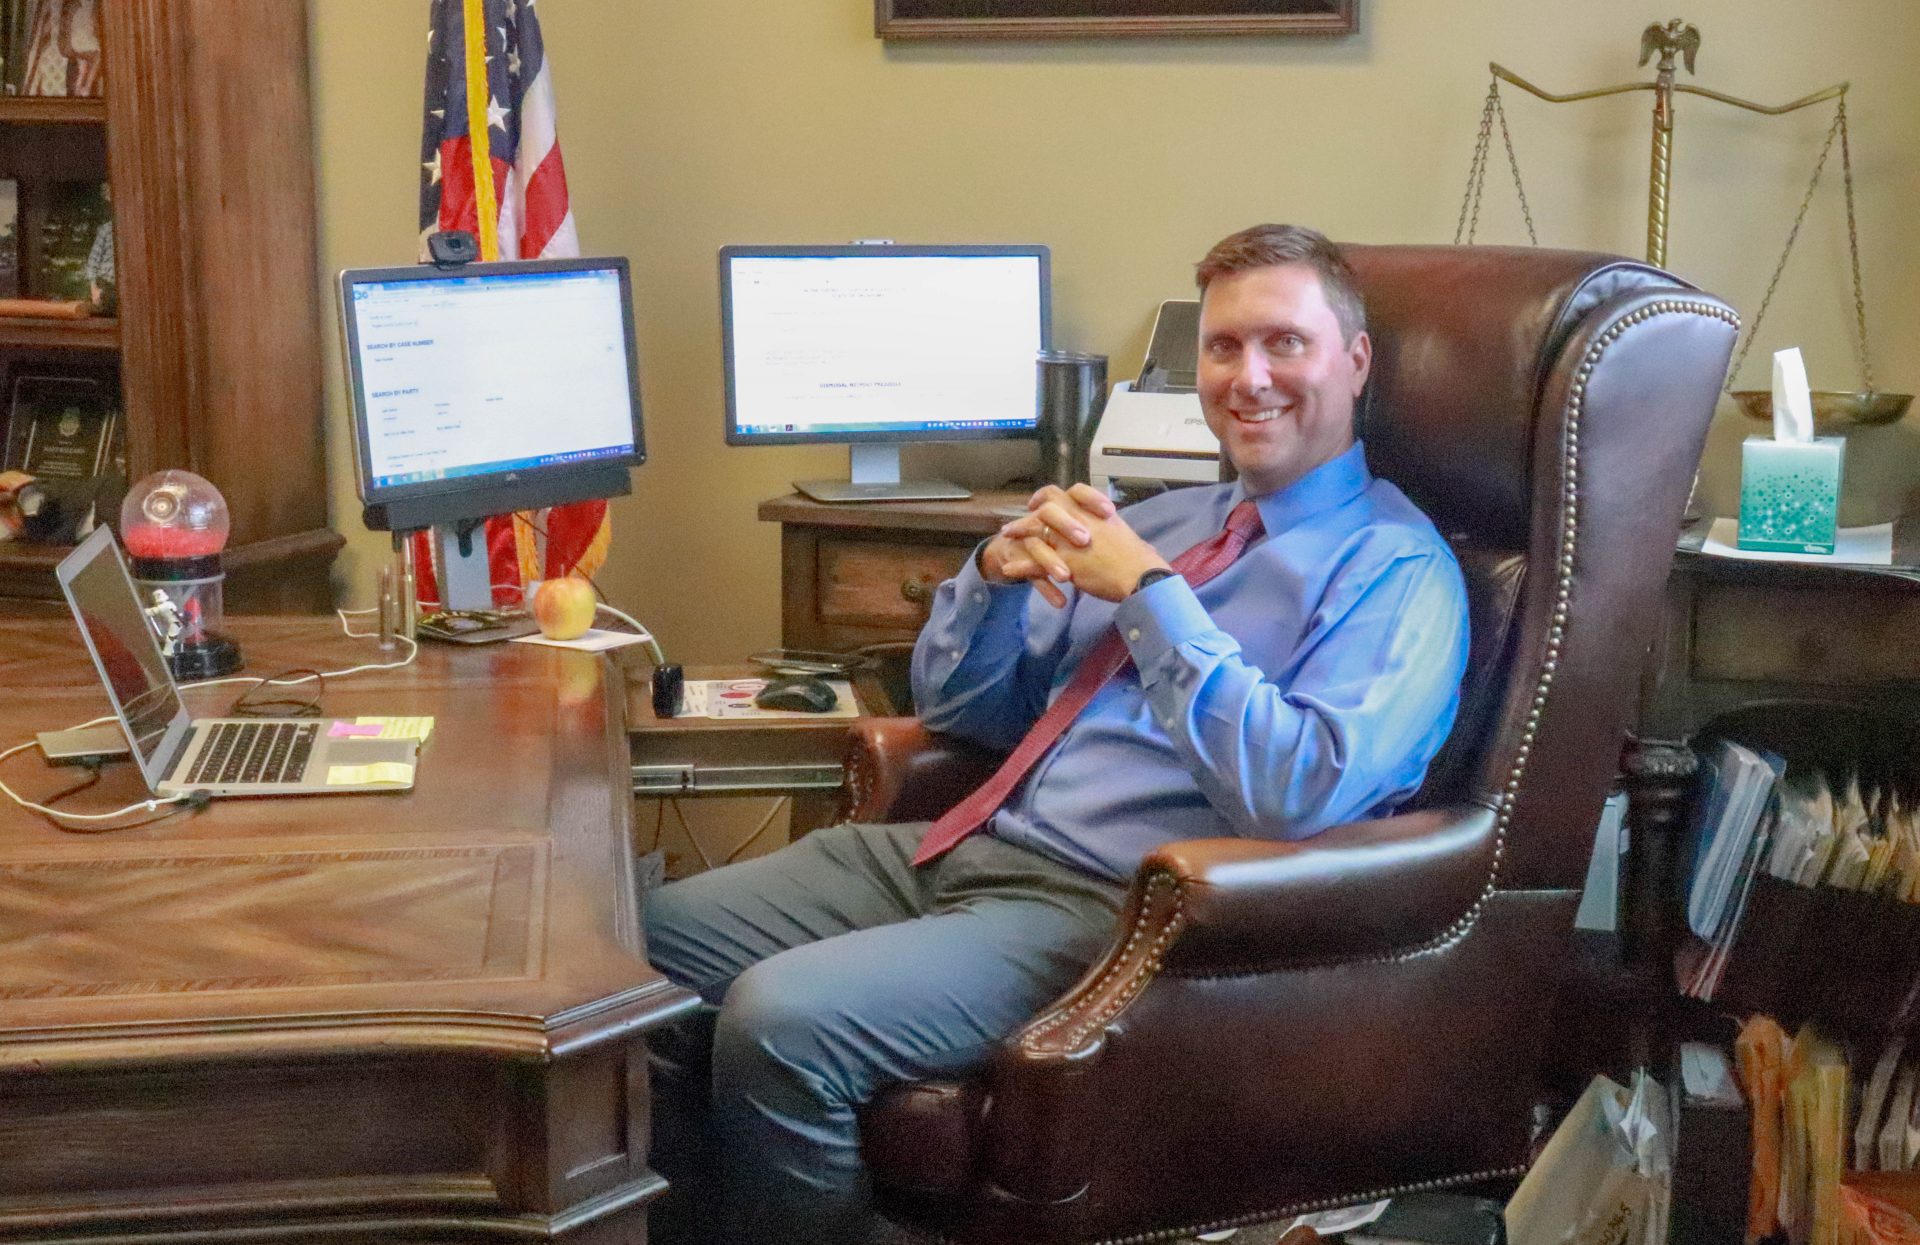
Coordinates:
[1105,659]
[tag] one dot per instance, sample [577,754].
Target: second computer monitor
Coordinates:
[487,388]
[874,346]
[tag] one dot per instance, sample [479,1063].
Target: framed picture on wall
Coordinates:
[1053,19]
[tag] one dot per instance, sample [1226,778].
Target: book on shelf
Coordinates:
[1599,909]
[56,46]
[1738,784]
[9,234]
[76,245]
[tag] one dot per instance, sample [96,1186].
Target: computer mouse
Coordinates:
[799,692]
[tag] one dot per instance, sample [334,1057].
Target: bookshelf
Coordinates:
[203,135]
[1815,663]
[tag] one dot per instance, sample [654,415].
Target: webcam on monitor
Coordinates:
[450,248]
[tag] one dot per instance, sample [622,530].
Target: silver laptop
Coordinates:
[178,754]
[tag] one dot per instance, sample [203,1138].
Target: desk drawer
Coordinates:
[1805,636]
[869,583]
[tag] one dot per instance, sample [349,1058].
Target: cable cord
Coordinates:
[60,817]
[653,645]
[194,800]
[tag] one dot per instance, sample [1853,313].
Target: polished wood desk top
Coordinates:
[432,942]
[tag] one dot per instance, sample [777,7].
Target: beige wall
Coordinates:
[690,125]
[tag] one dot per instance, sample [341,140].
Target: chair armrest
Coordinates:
[1362,889]
[1218,908]
[898,770]
[1234,906]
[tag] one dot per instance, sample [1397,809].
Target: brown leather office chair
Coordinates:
[1284,1026]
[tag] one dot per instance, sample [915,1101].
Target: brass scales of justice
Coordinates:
[1862,407]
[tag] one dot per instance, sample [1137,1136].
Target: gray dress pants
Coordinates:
[830,970]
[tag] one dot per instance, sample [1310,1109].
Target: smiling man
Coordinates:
[1264,659]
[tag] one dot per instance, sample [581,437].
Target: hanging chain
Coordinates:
[1469,224]
[1513,163]
[1477,170]
[1853,249]
[1839,124]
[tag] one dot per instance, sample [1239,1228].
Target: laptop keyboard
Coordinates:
[248,752]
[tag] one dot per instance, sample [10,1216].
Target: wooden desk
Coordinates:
[363,1018]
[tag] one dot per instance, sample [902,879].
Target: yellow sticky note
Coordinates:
[366,775]
[399,728]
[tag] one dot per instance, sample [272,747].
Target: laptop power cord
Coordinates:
[88,823]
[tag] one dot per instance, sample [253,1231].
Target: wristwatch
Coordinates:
[1153,576]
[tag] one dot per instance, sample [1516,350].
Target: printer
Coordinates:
[1152,435]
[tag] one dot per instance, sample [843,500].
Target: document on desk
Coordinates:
[593,641]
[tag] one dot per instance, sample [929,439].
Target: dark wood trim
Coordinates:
[323,542]
[1340,17]
[52,110]
[147,166]
[91,333]
[977,515]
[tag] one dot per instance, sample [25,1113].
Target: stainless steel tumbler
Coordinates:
[1071,393]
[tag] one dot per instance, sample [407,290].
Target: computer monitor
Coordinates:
[482,389]
[877,345]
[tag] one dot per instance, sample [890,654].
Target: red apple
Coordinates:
[564,608]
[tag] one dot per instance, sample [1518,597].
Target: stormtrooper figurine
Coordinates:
[164,616]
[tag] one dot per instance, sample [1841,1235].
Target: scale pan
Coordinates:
[1832,408]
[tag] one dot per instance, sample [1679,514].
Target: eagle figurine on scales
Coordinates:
[1677,35]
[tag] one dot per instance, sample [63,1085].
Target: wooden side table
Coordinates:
[1741,638]
[686,757]
[858,575]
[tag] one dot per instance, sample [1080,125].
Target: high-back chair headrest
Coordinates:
[1463,338]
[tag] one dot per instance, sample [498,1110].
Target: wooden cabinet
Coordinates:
[852,576]
[1816,664]
[204,138]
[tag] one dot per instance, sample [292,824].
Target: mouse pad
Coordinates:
[733,698]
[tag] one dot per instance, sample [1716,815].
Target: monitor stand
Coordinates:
[460,557]
[876,477]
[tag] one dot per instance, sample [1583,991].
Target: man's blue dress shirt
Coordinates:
[1307,685]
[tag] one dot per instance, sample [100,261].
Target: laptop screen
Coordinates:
[107,607]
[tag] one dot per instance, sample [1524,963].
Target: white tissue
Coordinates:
[1792,407]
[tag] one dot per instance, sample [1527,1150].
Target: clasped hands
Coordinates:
[1070,536]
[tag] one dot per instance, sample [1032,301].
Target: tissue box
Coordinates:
[1790,494]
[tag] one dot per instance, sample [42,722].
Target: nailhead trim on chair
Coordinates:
[1319,1204]
[1162,889]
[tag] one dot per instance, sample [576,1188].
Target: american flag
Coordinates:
[490,165]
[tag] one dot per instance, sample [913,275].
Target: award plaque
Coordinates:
[61,427]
